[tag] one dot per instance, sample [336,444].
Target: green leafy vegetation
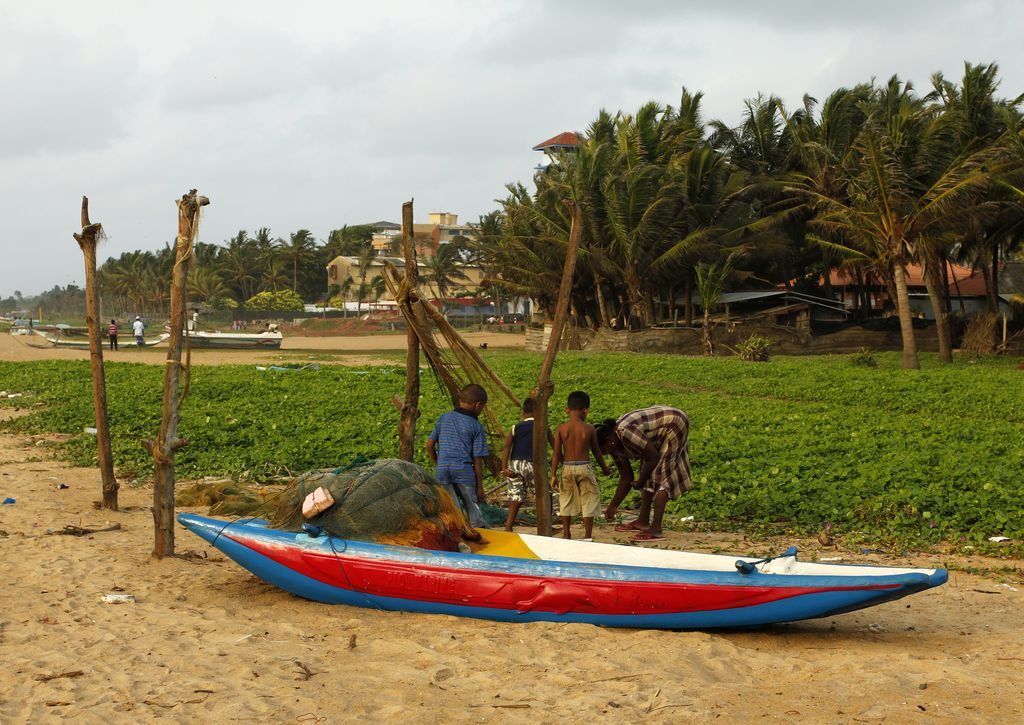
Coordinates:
[864,358]
[755,348]
[931,456]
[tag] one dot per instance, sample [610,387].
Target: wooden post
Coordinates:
[545,387]
[410,406]
[167,442]
[87,241]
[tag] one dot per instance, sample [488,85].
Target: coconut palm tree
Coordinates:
[444,269]
[711,279]
[641,198]
[979,120]
[297,251]
[898,191]
[205,284]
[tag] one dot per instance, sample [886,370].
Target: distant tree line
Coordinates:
[872,179]
[869,180]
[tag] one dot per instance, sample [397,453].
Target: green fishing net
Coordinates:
[387,501]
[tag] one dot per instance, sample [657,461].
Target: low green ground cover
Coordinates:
[929,455]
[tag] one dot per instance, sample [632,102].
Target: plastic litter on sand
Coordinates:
[119,598]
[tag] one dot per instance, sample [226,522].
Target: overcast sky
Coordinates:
[317,114]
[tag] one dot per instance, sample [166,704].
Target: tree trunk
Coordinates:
[410,406]
[87,241]
[933,283]
[542,394]
[992,289]
[705,334]
[858,274]
[945,287]
[688,295]
[650,318]
[602,308]
[910,357]
[167,442]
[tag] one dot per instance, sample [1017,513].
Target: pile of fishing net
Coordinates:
[225,498]
[388,501]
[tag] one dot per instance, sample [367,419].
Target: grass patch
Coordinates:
[908,456]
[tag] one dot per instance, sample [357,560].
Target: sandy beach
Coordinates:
[206,641]
[337,349]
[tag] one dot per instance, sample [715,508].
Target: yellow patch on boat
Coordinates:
[503,543]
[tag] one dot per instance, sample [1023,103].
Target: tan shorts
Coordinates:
[578,494]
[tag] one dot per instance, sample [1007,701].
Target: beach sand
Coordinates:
[206,641]
[341,349]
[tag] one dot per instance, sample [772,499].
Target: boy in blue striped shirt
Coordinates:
[463,447]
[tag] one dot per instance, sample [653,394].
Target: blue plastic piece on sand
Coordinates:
[9,500]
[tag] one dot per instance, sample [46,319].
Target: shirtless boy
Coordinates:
[575,440]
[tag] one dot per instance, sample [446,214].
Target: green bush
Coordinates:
[864,358]
[222,303]
[755,348]
[283,301]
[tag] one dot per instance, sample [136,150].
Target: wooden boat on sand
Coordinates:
[524,578]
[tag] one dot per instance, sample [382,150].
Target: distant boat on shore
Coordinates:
[270,339]
[60,340]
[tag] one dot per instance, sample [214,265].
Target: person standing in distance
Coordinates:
[139,329]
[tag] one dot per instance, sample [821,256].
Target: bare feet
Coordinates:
[632,526]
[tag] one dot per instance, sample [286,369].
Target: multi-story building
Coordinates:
[344,268]
[441,228]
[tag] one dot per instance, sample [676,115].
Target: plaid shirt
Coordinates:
[668,430]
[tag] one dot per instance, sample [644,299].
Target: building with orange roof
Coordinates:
[565,141]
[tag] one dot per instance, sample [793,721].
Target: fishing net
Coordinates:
[389,501]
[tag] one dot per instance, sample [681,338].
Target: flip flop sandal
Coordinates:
[645,537]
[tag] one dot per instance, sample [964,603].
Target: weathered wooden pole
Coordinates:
[167,442]
[544,389]
[87,241]
[410,406]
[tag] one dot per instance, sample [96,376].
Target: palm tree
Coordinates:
[759,144]
[240,264]
[711,279]
[205,284]
[444,269]
[641,202]
[899,191]
[299,249]
[708,216]
[981,120]
[274,277]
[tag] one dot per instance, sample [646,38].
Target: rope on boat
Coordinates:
[750,567]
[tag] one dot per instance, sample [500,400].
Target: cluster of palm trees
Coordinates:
[230,274]
[874,178]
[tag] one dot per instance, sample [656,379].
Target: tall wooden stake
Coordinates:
[87,241]
[545,387]
[167,442]
[410,406]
